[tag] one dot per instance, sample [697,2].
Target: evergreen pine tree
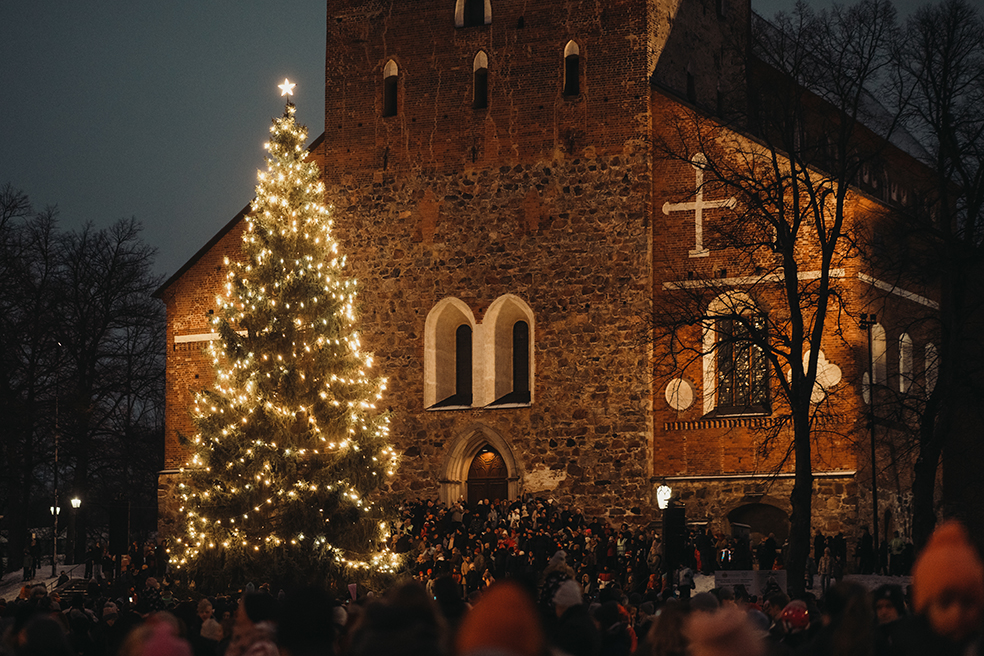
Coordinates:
[290,443]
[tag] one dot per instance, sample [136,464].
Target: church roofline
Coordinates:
[159,293]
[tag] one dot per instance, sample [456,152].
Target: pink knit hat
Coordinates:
[504,619]
[163,642]
[948,562]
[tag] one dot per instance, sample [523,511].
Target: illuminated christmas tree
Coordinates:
[290,441]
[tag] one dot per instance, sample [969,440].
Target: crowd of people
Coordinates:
[528,577]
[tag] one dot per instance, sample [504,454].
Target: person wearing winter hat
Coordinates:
[704,601]
[406,622]
[725,632]
[503,622]
[255,626]
[157,637]
[948,595]
[573,631]
[889,603]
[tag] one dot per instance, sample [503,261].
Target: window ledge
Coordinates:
[735,414]
[450,407]
[507,406]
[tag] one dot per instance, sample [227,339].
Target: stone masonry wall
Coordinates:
[539,195]
[569,237]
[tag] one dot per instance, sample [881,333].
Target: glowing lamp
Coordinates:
[663,494]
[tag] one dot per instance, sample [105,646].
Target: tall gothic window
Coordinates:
[480,81]
[879,354]
[462,369]
[474,13]
[905,362]
[521,361]
[742,369]
[572,69]
[391,78]
[519,384]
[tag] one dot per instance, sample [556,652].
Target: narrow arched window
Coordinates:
[480,81]
[462,393]
[521,361]
[572,69]
[474,13]
[391,77]
[463,364]
[879,353]
[905,362]
[509,352]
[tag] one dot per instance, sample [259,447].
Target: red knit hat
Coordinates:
[948,562]
[504,619]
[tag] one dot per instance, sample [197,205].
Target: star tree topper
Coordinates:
[287,88]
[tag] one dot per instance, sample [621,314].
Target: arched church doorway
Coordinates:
[762,519]
[488,476]
[466,469]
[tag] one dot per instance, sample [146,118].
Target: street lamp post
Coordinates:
[55,509]
[867,323]
[70,546]
[664,499]
[663,495]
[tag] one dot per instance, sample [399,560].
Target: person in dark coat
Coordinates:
[819,544]
[616,635]
[573,631]
[866,552]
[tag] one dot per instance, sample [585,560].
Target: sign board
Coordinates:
[755,581]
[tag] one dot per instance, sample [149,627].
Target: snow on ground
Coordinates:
[11,583]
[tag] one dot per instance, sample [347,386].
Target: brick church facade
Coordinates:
[497,192]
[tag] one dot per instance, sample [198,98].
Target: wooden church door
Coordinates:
[487,477]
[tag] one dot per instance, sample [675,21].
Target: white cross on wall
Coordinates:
[698,161]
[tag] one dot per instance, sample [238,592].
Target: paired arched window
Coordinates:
[448,352]
[461,391]
[472,13]
[480,81]
[478,364]
[572,69]
[391,78]
[508,354]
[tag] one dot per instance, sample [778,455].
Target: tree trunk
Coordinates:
[924,492]
[801,499]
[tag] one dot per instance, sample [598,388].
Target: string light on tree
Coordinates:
[290,443]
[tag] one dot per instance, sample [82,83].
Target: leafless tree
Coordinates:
[788,151]
[939,84]
[81,353]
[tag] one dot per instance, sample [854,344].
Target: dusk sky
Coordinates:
[157,110]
